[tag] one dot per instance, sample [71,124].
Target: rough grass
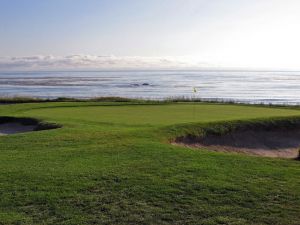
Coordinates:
[112,163]
[16,100]
[22,99]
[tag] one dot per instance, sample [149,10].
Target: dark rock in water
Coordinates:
[137,85]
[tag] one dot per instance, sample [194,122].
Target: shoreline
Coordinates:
[5,100]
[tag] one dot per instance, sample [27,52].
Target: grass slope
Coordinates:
[111,163]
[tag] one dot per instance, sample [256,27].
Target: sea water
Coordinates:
[275,87]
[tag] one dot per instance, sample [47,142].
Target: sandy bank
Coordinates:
[14,128]
[14,125]
[282,143]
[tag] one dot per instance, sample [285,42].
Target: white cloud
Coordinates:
[95,62]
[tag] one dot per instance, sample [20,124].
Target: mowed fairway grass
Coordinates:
[112,163]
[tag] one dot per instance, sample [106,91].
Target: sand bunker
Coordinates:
[281,143]
[12,125]
[14,128]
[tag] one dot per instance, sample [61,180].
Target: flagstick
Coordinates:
[194,103]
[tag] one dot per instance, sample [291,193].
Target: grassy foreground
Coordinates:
[112,163]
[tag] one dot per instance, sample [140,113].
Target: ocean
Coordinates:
[269,87]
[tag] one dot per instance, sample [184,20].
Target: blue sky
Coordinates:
[241,33]
[124,27]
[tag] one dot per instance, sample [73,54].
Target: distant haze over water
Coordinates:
[246,86]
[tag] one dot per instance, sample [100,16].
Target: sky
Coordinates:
[58,34]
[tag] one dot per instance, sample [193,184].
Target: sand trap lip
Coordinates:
[14,125]
[278,143]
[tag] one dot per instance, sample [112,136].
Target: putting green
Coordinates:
[156,114]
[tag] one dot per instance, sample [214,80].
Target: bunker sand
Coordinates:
[279,143]
[14,128]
